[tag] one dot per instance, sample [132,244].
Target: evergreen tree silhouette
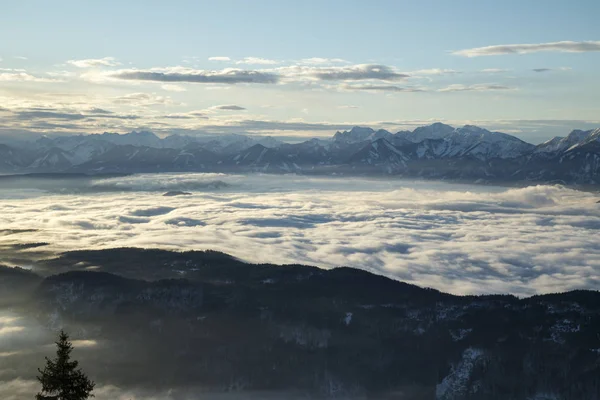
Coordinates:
[61,379]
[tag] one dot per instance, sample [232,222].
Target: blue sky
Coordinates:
[298,69]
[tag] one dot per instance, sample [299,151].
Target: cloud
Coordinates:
[495,70]
[348,106]
[226,76]
[219,59]
[143,99]
[358,72]
[26,115]
[49,116]
[380,88]
[24,77]
[551,69]
[400,231]
[173,88]
[435,71]
[94,62]
[228,107]
[562,47]
[7,330]
[475,88]
[318,60]
[257,61]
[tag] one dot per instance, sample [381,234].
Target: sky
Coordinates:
[298,69]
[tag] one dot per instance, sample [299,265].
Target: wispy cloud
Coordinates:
[228,107]
[219,58]
[319,60]
[226,76]
[494,70]
[359,72]
[24,77]
[551,69]
[173,88]
[143,99]
[475,88]
[380,88]
[434,71]
[94,62]
[562,47]
[257,61]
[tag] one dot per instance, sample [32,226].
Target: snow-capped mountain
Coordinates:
[558,143]
[380,153]
[135,138]
[436,151]
[361,134]
[469,141]
[433,131]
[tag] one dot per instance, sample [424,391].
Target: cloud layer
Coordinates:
[562,47]
[457,238]
[226,76]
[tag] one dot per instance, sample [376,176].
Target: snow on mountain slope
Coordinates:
[53,159]
[468,141]
[558,143]
[433,131]
[361,134]
[380,153]
[141,138]
[483,144]
[12,159]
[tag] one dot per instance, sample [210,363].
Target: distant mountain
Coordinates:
[436,151]
[139,139]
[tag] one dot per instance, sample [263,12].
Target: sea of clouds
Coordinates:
[457,238]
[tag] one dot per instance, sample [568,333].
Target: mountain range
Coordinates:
[436,151]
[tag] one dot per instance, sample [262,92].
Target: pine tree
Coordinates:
[61,379]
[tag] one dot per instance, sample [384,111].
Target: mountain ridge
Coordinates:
[237,326]
[435,151]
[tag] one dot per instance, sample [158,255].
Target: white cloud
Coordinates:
[475,88]
[435,71]
[562,47]
[173,88]
[495,70]
[143,99]
[94,62]
[219,59]
[380,88]
[23,77]
[319,60]
[457,238]
[257,61]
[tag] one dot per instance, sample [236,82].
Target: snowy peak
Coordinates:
[577,137]
[141,138]
[433,131]
[380,152]
[467,141]
[354,135]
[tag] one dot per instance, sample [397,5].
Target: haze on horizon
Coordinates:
[297,70]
